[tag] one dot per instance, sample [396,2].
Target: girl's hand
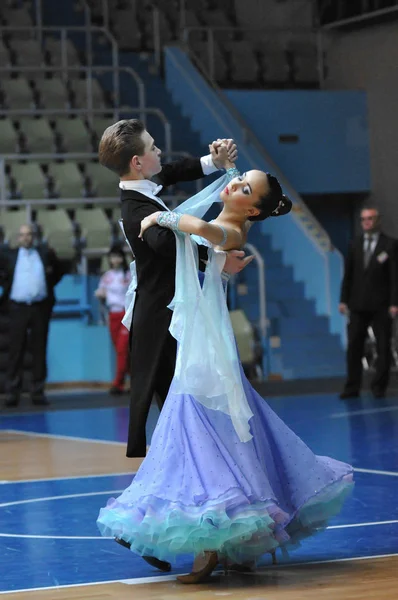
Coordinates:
[148,222]
[220,155]
[100,293]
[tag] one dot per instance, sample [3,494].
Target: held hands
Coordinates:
[224,153]
[148,222]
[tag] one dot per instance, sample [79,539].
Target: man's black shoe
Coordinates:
[11,401]
[348,395]
[40,400]
[162,565]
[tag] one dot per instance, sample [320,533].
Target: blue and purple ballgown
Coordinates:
[200,486]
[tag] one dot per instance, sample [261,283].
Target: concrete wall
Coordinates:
[367,59]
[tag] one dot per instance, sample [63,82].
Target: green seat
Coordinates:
[68,179]
[53,94]
[30,180]
[95,229]
[99,125]
[18,93]
[8,137]
[57,230]
[5,59]
[79,88]
[40,136]
[54,46]
[243,332]
[104,183]
[29,54]
[11,221]
[75,136]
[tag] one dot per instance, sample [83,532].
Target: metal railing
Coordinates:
[369,15]
[262,305]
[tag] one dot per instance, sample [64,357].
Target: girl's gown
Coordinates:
[200,486]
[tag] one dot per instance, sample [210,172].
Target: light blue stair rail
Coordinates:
[303,242]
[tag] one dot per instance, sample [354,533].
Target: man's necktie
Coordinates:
[368,251]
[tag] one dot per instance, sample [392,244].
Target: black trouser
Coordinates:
[152,380]
[359,322]
[34,319]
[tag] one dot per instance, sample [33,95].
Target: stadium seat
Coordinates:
[57,230]
[37,134]
[28,53]
[53,94]
[95,228]
[245,67]
[79,89]
[67,180]
[8,137]
[103,183]
[29,180]
[53,46]
[75,136]
[11,221]
[18,94]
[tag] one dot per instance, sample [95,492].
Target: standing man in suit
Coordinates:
[27,277]
[369,296]
[130,151]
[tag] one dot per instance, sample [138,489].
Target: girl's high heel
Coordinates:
[204,573]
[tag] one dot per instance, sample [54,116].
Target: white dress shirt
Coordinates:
[150,189]
[29,283]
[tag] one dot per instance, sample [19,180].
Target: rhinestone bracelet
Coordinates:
[169,220]
[233,172]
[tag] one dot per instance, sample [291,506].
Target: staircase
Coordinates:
[301,343]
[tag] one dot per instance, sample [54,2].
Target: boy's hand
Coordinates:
[236,261]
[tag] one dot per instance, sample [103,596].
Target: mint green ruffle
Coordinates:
[239,532]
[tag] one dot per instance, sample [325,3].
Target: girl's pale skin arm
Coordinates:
[209,231]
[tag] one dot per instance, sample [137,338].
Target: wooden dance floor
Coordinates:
[58,468]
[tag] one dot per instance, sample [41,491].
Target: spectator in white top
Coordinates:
[112,289]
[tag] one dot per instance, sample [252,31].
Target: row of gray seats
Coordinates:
[239,58]
[68,179]
[41,135]
[265,61]
[16,52]
[64,230]
[20,93]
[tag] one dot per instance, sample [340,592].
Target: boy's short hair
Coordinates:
[119,143]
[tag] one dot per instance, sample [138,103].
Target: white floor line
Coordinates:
[65,497]
[377,472]
[362,411]
[65,478]
[83,537]
[61,437]
[348,525]
[54,537]
[159,579]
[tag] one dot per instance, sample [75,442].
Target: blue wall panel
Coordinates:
[331,154]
